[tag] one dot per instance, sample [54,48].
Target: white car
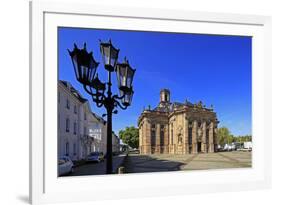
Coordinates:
[228,147]
[65,165]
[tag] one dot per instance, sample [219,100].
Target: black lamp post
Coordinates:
[85,68]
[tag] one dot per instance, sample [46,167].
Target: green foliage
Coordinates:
[130,136]
[225,137]
[245,138]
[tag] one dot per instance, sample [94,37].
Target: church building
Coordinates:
[177,128]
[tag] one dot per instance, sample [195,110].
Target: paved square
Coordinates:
[170,162]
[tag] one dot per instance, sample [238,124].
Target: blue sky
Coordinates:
[215,69]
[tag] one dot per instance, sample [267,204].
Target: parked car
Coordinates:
[95,157]
[65,165]
[134,151]
[228,147]
[219,148]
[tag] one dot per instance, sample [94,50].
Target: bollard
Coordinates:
[121,170]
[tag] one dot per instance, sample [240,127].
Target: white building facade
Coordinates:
[80,131]
[97,131]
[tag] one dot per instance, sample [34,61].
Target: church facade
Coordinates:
[177,128]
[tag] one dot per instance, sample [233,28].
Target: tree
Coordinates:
[224,136]
[130,136]
[245,138]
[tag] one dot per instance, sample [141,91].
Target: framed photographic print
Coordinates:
[146,102]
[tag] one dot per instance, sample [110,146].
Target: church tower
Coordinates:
[164,96]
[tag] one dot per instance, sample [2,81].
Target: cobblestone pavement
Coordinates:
[167,162]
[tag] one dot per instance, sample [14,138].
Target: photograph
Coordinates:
[132,101]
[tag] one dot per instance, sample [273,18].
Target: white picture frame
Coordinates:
[46,187]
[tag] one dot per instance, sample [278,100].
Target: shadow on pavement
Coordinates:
[147,163]
[97,168]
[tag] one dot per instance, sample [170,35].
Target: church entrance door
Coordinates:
[199,147]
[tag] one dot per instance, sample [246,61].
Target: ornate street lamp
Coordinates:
[84,64]
[125,74]
[109,55]
[127,97]
[85,68]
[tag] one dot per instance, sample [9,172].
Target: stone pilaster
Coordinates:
[171,140]
[157,146]
[140,139]
[147,128]
[166,140]
[194,137]
[185,141]
[204,145]
[211,137]
[215,138]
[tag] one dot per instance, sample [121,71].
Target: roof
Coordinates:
[170,107]
[165,90]
[76,94]
[73,91]
[98,117]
